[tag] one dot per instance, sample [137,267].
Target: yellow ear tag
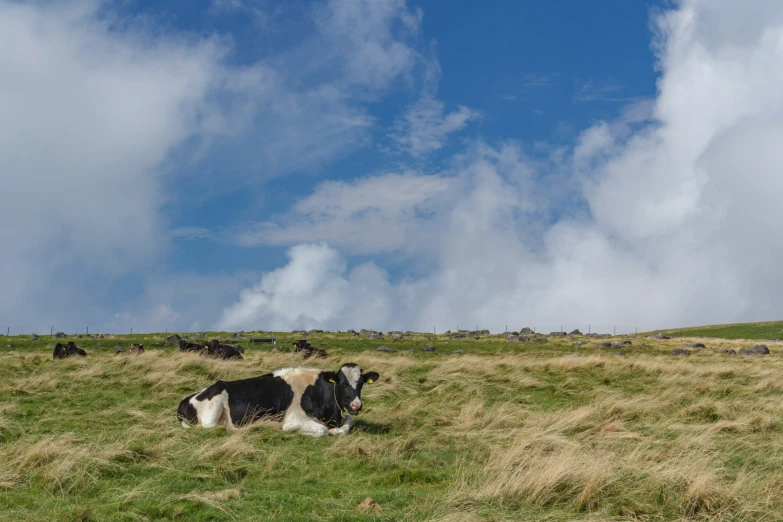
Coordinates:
[369,381]
[331,380]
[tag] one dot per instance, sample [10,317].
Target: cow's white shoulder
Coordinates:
[285,373]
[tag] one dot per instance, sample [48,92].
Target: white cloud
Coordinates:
[172,301]
[176,302]
[307,105]
[381,214]
[678,222]
[90,111]
[368,40]
[403,215]
[424,128]
[314,288]
[101,111]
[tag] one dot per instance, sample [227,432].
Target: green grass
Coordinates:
[505,431]
[769,330]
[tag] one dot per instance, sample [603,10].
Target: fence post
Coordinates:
[614,329]
[588,328]
[88,330]
[131,331]
[51,331]
[8,332]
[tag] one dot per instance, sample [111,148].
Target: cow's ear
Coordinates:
[371,377]
[330,376]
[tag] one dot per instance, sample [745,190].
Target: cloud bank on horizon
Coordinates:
[665,215]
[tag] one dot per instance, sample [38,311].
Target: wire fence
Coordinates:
[613,329]
[51,330]
[583,328]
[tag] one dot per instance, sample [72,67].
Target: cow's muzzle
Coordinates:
[355,407]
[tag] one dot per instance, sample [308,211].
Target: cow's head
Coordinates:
[348,383]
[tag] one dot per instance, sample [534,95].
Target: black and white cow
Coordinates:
[310,400]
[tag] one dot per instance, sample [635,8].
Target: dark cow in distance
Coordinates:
[212,349]
[221,351]
[70,350]
[306,350]
[187,346]
[310,400]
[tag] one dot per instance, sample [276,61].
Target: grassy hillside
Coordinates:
[504,431]
[769,330]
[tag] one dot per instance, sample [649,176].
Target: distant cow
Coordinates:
[221,351]
[69,350]
[187,346]
[133,349]
[306,350]
[311,400]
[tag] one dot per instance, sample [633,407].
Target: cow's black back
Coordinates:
[256,397]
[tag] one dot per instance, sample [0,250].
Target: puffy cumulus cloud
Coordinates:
[314,288]
[671,215]
[407,214]
[476,252]
[90,110]
[349,215]
[101,112]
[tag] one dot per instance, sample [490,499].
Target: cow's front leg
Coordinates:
[345,428]
[305,425]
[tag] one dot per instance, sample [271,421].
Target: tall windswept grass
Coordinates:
[497,433]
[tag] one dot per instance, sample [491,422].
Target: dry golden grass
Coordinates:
[640,446]
[480,436]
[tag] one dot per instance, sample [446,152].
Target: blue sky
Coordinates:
[244,164]
[523,65]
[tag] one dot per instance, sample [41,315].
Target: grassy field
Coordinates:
[766,330]
[504,431]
